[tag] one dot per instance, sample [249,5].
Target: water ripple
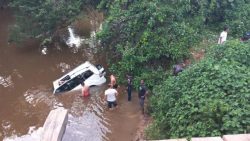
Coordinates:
[33,135]
[39,95]
[64,67]
[6,81]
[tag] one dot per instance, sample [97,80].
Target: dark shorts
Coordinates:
[142,102]
[112,104]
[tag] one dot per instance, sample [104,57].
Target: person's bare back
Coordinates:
[85,91]
[112,80]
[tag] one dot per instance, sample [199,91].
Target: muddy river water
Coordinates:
[26,96]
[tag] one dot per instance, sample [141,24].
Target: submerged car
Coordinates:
[86,73]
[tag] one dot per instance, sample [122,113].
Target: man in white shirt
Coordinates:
[110,96]
[223,36]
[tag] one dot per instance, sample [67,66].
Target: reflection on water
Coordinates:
[6,81]
[87,127]
[33,135]
[26,77]
[86,120]
[74,40]
[63,67]
[41,95]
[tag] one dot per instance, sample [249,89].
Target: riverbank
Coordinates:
[128,123]
[126,119]
[146,120]
[144,123]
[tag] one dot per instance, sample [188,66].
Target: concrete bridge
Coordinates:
[55,124]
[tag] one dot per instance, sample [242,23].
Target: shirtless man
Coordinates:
[85,90]
[112,80]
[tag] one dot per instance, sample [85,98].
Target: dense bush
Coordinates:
[142,33]
[210,98]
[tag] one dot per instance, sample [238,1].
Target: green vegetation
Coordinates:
[210,98]
[147,36]
[144,33]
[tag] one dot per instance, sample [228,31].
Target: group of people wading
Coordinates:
[111,93]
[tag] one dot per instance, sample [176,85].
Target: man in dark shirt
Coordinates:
[129,87]
[142,94]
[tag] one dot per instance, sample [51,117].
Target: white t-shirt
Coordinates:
[110,93]
[223,37]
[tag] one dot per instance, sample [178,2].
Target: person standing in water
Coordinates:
[111,96]
[85,90]
[112,80]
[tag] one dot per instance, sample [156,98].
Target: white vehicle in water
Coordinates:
[88,73]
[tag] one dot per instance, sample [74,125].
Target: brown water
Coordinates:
[26,90]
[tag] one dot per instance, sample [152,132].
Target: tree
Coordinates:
[143,33]
[234,13]
[210,98]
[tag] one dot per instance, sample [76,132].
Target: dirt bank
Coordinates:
[127,123]
[125,119]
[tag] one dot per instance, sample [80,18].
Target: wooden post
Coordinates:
[55,124]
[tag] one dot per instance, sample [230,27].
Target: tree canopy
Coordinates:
[211,97]
[143,32]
